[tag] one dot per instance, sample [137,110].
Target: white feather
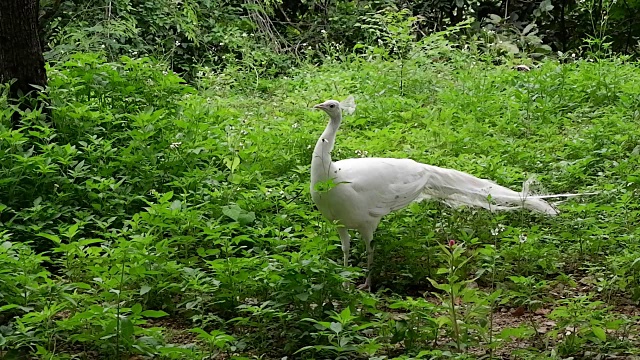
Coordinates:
[348,105]
[369,188]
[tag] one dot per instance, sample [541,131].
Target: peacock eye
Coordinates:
[332,106]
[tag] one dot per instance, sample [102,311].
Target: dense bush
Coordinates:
[264,38]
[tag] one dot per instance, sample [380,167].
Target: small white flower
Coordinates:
[362,153]
[175,145]
[323,31]
[244,132]
[177,43]
[523,238]
[244,34]
[497,230]
[102,46]
[295,126]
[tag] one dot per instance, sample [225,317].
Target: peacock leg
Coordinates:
[345,239]
[367,236]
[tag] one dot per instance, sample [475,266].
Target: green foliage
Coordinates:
[584,322]
[252,40]
[184,34]
[343,336]
[150,217]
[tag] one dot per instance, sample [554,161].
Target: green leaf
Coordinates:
[528,28]
[494,18]
[247,218]
[153,313]
[509,47]
[83,286]
[79,166]
[72,230]
[232,164]
[51,237]
[232,211]
[345,314]
[8,307]
[599,333]
[336,327]
[126,329]
[519,332]
[145,289]
[235,178]
[166,197]
[238,214]
[136,309]
[203,334]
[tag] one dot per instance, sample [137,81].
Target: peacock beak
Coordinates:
[318,106]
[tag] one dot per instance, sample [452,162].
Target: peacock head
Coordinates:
[333,107]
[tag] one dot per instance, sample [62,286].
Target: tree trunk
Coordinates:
[20,51]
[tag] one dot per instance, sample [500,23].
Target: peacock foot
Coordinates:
[366,285]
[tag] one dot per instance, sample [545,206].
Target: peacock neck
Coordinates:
[321,161]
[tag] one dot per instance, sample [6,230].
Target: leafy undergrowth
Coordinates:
[156,219]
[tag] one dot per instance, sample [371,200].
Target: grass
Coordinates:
[154,218]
